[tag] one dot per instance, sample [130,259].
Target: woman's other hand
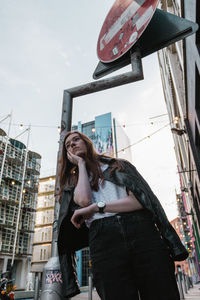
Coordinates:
[82,214]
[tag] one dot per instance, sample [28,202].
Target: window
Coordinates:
[40,254]
[85,266]
[197,94]
[198,22]
[197,139]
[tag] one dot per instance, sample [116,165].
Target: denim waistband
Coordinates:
[136,215]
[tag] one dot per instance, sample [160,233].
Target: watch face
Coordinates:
[101,204]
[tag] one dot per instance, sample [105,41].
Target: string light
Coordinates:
[176,120]
[141,140]
[21,126]
[122,150]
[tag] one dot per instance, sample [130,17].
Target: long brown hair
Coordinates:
[69,172]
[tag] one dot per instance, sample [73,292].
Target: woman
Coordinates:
[132,244]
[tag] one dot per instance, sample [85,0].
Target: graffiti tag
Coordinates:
[53,276]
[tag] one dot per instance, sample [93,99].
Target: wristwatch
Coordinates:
[101,205]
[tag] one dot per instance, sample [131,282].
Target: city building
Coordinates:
[184,231]
[43,224]
[180,73]
[109,138]
[20,170]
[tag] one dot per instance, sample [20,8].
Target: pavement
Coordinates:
[84,296]
[192,294]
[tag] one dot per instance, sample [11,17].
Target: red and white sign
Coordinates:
[123,26]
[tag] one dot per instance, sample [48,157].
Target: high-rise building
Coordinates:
[180,72]
[109,138]
[107,135]
[20,170]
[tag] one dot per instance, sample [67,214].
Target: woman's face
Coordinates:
[75,145]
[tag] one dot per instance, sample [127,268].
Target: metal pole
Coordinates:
[180,286]
[184,283]
[36,286]
[90,287]
[6,146]
[20,199]
[66,121]
[51,290]
[100,85]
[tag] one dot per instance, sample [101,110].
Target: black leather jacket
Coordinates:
[71,239]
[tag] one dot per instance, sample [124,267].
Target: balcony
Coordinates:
[34,168]
[14,158]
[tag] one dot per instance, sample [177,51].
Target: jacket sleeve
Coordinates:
[148,199]
[70,239]
[70,286]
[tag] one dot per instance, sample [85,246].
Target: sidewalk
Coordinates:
[84,296]
[193,293]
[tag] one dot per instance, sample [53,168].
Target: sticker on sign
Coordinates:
[124,24]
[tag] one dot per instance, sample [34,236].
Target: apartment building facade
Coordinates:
[180,73]
[43,223]
[20,170]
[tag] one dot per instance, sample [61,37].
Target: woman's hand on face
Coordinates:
[82,214]
[74,159]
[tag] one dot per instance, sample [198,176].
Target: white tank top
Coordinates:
[108,192]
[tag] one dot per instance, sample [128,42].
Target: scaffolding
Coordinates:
[13,184]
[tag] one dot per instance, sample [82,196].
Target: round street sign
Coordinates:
[124,24]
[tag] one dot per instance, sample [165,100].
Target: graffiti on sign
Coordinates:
[53,276]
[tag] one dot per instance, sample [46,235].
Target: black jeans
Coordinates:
[129,258]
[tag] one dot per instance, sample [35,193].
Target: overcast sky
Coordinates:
[48,46]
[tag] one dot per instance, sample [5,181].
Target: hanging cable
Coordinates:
[144,138]
[8,116]
[21,133]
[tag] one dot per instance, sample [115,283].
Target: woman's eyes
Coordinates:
[74,140]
